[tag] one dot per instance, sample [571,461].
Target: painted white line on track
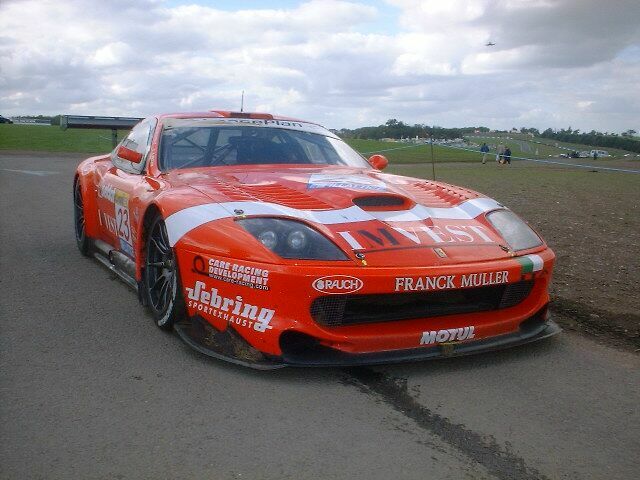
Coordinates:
[38,173]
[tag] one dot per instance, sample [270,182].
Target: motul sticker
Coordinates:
[449,335]
[336,284]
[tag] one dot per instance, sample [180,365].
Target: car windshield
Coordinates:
[187,144]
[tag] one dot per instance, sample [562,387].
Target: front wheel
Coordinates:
[161,283]
[78,219]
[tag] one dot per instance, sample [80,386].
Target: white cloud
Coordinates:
[555,63]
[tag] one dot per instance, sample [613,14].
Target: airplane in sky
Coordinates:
[490,44]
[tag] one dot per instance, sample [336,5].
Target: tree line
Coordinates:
[397,129]
[625,141]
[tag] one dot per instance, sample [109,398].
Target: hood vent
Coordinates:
[383,202]
[289,197]
[435,194]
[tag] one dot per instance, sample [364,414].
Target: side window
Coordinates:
[138,138]
[137,141]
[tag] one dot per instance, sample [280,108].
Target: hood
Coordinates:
[393,220]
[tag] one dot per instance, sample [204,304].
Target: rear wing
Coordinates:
[112,123]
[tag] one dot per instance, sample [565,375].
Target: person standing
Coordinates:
[484,149]
[500,153]
[507,155]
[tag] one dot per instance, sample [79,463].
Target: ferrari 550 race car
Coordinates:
[268,241]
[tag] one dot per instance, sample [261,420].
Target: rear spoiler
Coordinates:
[112,123]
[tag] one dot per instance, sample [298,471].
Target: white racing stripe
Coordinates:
[182,222]
[464,211]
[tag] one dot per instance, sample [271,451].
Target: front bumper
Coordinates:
[325,357]
[265,311]
[230,346]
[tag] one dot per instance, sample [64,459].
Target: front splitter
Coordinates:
[228,345]
[325,357]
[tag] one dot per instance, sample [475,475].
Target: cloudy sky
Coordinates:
[556,63]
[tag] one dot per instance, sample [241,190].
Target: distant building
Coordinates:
[31,121]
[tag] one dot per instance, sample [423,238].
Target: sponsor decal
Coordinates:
[120,225]
[230,272]
[108,192]
[233,310]
[352,182]
[253,122]
[108,221]
[427,235]
[446,282]
[337,284]
[450,335]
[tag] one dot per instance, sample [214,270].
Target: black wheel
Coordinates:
[78,220]
[161,284]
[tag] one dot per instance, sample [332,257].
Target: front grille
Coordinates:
[340,310]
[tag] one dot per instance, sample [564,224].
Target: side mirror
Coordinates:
[379,162]
[129,155]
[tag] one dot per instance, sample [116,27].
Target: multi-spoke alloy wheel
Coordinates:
[78,219]
[161,277]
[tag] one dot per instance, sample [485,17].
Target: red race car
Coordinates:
[268,241]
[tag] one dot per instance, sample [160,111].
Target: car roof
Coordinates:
[249,119]
[231,114]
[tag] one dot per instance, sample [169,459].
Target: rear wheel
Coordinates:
[78,219]
[161,284]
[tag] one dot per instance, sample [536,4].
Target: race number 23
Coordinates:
[122,223]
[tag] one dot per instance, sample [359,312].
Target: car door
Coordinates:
[117,185]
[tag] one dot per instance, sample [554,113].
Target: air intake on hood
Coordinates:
[382,202]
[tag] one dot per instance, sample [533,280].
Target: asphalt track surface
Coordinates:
[91,389]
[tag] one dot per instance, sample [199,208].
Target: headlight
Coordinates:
[516,233]
[292,239]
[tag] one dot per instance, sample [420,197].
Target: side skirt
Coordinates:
[118,263]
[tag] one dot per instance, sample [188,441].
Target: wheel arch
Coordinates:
[150,212]
[89,202]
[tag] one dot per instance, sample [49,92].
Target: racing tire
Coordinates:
[161,285]
[82,240]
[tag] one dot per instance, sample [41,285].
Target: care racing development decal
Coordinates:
[449,335]
[231,272]
[352,182]
[232,310]
[446,282]
[336,284]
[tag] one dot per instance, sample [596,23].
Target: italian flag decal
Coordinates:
[530,263]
